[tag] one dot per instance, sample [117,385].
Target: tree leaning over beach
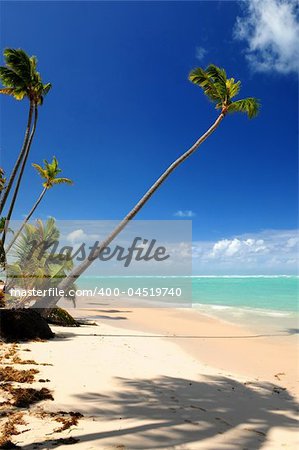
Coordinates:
[49,173]
[2,181]
[221,91]
[21,79]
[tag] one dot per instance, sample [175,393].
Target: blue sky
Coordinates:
[121,109]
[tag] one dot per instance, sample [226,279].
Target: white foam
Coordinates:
[243,310]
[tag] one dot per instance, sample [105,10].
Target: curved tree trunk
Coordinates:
[15,194]
[2,181]
[19,160]
[49,302]
[26,220]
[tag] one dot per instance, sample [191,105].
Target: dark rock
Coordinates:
[8,445]
[23,325]
[60,316]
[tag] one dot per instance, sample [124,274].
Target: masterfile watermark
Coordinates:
[140,250]
[148,262]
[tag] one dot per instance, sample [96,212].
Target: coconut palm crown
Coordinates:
[49,173]
[221,90]
[20,77]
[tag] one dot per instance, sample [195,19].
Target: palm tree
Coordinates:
[220,90]
[21,79]
[2,251]
[49,174]
[30,269]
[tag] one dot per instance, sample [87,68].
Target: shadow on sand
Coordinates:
[169,412]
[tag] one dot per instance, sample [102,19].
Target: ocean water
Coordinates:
[261,302]
[264,303]
[274,293]
[268,293]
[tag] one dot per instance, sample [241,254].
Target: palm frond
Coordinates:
[40,170]
[10,79]
[216,73]
[7,91]
[19,62]
[218,77]
[19,94]
[233,88]
[46,88]
[62,181]
[249,106]
[33,64]
[199,77]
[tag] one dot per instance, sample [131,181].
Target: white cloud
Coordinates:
[237,247]
[200,53]
[79,236]
[76,235]
[187,213]
[271,30]
[267,252]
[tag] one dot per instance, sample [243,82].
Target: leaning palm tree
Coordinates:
[20,79]
[2,180]
[221,91]
[49,173]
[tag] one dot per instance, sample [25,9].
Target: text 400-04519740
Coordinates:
[130,292]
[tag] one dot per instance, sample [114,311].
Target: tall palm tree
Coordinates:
[20,79]
[49,173]
[220,90]
[2,251]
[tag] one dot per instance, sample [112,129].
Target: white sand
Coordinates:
[149,393]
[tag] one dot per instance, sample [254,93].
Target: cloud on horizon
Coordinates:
[267,252]
[187,213]
[271,30]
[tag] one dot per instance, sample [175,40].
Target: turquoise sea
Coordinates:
[274,293]
[267,293]
[261,302]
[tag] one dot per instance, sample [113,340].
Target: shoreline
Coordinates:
[217,343]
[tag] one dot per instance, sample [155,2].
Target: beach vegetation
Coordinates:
[33,269]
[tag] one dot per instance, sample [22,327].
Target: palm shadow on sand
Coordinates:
[167,412]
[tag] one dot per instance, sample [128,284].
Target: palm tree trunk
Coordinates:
[26,220]
[20,157]
[15,194]
[47,303]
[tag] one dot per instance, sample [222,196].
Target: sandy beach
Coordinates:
[161,379]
